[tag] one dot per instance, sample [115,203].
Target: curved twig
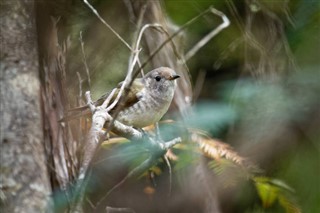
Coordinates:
[210,35]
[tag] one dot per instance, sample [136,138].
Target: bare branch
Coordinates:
[166,159]
[80,87]
[208,37]
[106,24]
[169,144]
[135,36]
[108,99]
[89,101]
[84,59]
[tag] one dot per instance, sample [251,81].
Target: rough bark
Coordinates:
[24,178]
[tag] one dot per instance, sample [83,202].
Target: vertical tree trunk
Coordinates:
[24,177]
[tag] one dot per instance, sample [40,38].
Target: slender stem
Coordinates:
[84,59]
[210,35]
[106,24]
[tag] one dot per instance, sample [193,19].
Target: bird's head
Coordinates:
[161,81]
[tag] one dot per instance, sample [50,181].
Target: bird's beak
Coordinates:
[173,77]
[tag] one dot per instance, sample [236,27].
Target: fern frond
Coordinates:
[216,149]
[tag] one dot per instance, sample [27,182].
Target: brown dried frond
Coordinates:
[215,149]
[226,163]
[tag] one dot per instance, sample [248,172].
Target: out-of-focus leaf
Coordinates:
[272,190]
[267,192]
[281,184]
[288,205]
[211,116]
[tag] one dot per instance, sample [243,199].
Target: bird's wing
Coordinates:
[135,93]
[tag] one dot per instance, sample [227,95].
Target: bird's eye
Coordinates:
[158,78]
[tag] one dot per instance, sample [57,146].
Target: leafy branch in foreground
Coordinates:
[227,164]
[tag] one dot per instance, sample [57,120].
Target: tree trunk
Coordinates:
[24,177]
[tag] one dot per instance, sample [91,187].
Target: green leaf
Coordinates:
[272,190]
[267,192]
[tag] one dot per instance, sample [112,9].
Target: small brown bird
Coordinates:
[148,99]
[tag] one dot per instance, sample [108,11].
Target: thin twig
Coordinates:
[81,133]
[236,15]
[106,24]
[84,60]
[166,159]
[209,36]
[162,29]
[143,166]
[127,79]
[80,87]
[108,99]
[135,35]
[167,145]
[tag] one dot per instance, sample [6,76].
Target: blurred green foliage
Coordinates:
[211,117]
